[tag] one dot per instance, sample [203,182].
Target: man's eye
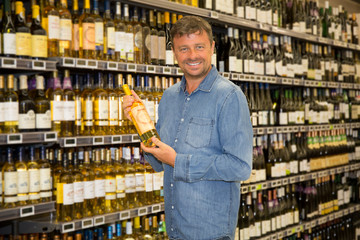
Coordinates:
[183,49]
[200,47]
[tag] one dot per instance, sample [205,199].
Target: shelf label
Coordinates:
[80,63]
[135,138]
[346,169]
[313,175]
[307,225]
[257,187]
[27,211]
[234,76]
[264,185]
[351,210]
[14,138]
[296,82]
[111,66]
[346,212]
[115,139]
[8,63]
[156,208]
[50,137]
[70,142]
[280,235]
[68,227]
[213,14]
[38,65]
[260,130]
[292,180]
[285,181]
[270,130]
[313,224]
[130,67]
[124,215]
[98,140]
[86,223]
[302,178]
[142,211]
[179,71]
[92,64]
[99,220]
[68,62]
[244,189]
[150,69]
[252,188]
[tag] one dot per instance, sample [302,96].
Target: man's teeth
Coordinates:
[193,64]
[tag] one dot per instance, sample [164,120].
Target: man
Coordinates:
[206,140]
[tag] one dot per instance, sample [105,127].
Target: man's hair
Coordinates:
[189,25]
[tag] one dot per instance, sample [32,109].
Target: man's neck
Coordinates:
[193,83]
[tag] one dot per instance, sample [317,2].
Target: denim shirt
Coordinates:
[211,132]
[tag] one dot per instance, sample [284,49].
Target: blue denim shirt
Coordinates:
[211,132]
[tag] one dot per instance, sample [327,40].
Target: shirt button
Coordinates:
[182,119]
[175,140]
[171,185]
[172,207]
[172,229]
[188,99]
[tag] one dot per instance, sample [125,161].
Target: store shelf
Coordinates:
[313,223]
[109,218]
[79,63]
[27,138]
[27,64]
[236,21]
[81,141]
[26,211]
[252,187]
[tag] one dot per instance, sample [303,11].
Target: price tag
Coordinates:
[331,217]
[357,207]
[298,229]
[116,139]
[142,211]
[226,75]
[112,66]
[273,184]
[81,63]
[292,180]
[213,14]
[93,64]
[313,224]
[260,130]
[14,138]
[38,65]
[253,188]
[68,62]
[155,208]
[87,223]
[280,235]
[264,185]
[313,175]
[296,82]
[130,67]
[285,181]
[70,142]
[179,71]
[244,189]
[99,220]
[166,70]
[270,130]
[307,225]
[290,231]
[150,69]
[8,63]
[135,138]
[351,210]
[274,237]
[98,140]
[50,137]
[68,227]
[124,215]
[234,76]
[346,212]
[346,169]
[302,178]
[27,211]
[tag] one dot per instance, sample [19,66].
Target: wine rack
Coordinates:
[26,211]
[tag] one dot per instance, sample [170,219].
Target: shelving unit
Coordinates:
[26,211]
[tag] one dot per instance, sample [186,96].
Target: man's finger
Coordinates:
[135,95]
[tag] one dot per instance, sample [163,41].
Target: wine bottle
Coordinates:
[68,122]
[78,187]
[57,107]
[100,107]
[109,34]
[26,107]
[110,183]
[87,113]
[39,41]
[65,37]
[169,52]
[22,174]
[129,36]
[88,186]
[120,27]
[51,24]
[99,31]
[75,43]
[138,38]
[119,171]
[161,39]
[45,176]
[154,39]
[23,35]
[8,32]
[130,179]
[87,33]
[230,63]
[65,192]
[99,207]
[11,107]
[10,178]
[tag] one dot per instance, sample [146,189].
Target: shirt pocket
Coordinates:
[199,132]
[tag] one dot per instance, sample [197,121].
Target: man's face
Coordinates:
[193,53]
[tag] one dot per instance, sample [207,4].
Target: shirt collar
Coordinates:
[206,84]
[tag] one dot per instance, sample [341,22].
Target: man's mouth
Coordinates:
[193,64]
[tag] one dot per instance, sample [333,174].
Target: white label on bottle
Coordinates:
[240,11]
[232,64]
[148,182]
[130,183]
[43,120]
[110,185]
[45,181]
[78,110]
[258,229]
[279,68]
[157,183]
[296,216]
[68,193]
[78,192]
[69,110]
[53,27]
[251,66]
[140,182]
[34,180]
[111,37]
[22,181]
[89,188]
[2,112]
[113,111]
[88,110]
[259,68]
[270,67]
[239,65]
[248,12]
[265,226]
[129,44]
[100,188]
[254,119]
[162,47]
[27,120]
[120,183]
[11,111]
[150,108]
[169,57]
[57,110]
[65,29]
[119,41]
[283,118]
[103,109]
[9,43]
[99,32]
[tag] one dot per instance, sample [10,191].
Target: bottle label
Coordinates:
[22,181]
[34,180]
[113,112]
[27,120]
[270,67]
[162,47]
[142,119]
[232,64]
[9,43]
[110,37]
[138,39]
[53,27]
[279,68]
[89,187]
[69,110]
[68,193]
[11,111]
[154,43]
[99,188]
[140,183]
[39,46]
[148,179]
[129,44]
[2,112]
[43,120]
[45,180]
[169,57]
[130,183]
[120,183]
[23,48]
[283,118]
[99,33]
[150,108]
[88,33]
[78,192]
[75,37]
[258,229]
[239,65]
[157,181]
[240,11]
[259,68]
[252,66]
[65,30]
[78,111]
[88,110]
[110,185]
[102,109]
[57,110]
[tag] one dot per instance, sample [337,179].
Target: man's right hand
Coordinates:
[128,102]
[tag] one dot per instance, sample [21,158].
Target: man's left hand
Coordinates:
[161,151]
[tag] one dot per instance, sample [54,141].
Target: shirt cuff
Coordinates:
[181,167]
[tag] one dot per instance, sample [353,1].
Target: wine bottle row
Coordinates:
[147,227]
[272,210]
[83,182]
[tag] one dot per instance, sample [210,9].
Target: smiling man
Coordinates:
[206,140]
